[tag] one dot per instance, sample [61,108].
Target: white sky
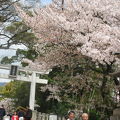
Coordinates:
[4,72]
[9,53]
[33,2]
[5,80]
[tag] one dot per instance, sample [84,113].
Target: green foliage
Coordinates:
[52,105]
[16,32]
[9,89]
[88,87]
[2,18]
[94,115]
[7,60]
[22,94]
[30,54]
[21,34]
[6,10]
[1,93]
[17,90]
[16,27]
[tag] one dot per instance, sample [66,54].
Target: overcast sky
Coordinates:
[43,2]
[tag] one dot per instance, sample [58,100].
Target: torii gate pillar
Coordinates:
[32,92]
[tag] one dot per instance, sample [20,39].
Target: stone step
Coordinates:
[115,118]
[116,112]
[118,105]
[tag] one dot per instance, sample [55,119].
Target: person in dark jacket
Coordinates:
[28,114]
[2,112]
[21,114]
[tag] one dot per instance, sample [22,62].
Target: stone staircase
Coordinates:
[116,114]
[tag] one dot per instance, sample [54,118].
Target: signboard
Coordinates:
[13,70]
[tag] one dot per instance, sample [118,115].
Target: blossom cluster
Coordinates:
[92,26]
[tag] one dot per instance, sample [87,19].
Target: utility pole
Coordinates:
[62,5]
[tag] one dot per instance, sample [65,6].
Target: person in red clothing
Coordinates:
[15,116]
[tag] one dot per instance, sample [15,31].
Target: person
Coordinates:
[85,116]
[21,114]
[71,115]
[28,114]
[6,117]
[15,116]
[2,112]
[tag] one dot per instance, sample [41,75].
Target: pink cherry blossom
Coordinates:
[95,25]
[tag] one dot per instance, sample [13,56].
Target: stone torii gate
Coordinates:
[16,73]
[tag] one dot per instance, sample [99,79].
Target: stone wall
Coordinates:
[116,114]
[43,116]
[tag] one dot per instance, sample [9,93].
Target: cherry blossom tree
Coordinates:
[69,28]
[92,26]
[52,44]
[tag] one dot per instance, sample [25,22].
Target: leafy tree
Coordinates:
[13,31]
[20,34]
[7,11]
[88,88]
[14,90]
[7,15]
